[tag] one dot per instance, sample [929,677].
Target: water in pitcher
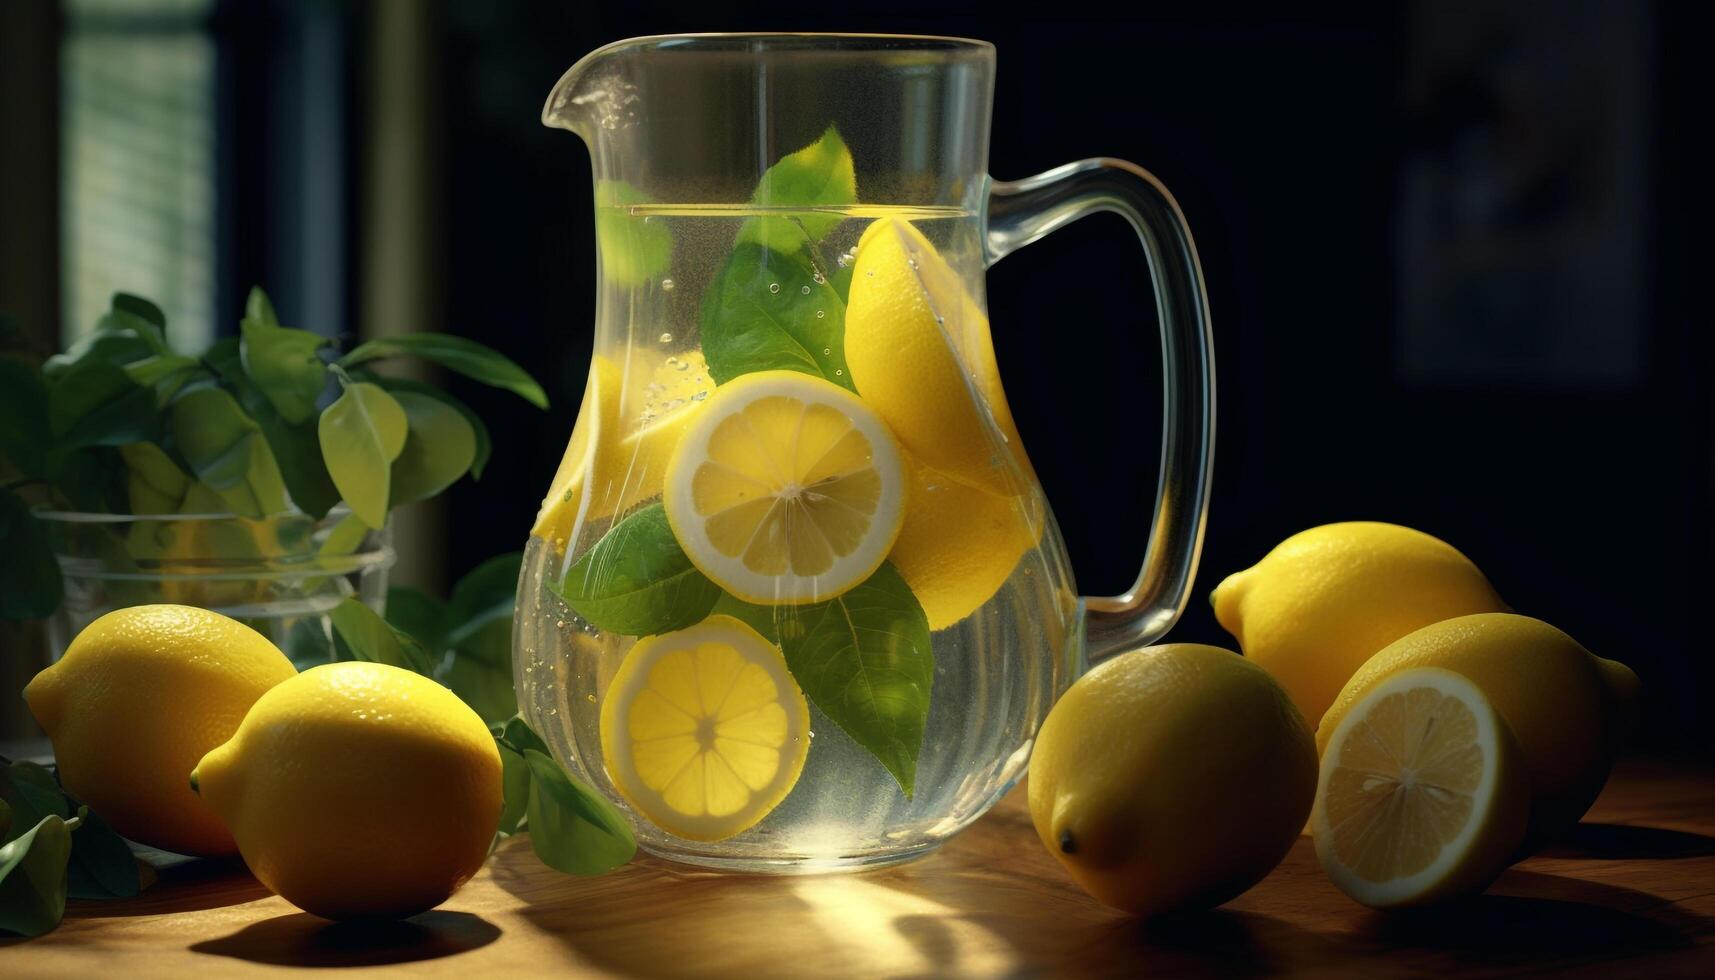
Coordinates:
[795,584]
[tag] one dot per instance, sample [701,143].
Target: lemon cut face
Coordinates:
[1422,796]
[785,489]
[704,730]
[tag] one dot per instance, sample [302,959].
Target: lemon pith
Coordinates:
[785,489]
[140,695]
[358,790]
[920,353]
[1421,796]
[703,730]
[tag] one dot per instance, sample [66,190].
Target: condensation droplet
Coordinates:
[839,372]
[666,338]
[590,698]
[826,351]
[667,285]
[820,279]
[774,287]
[804,289]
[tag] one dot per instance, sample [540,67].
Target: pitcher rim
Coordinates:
[882,42]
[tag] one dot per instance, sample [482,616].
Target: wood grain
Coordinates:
[1631,893]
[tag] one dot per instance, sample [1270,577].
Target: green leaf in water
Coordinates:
[154,481]
[864,659]
[633,250]
[573,828]
[226,450]
[440,447]
[362,433]
[820,175]
[772,310]
[637,581]
[284,364]
[467,357]
[30,583]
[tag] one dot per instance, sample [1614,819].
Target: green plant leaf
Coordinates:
[97,404]
[440,446]
[30,583]
[573,828]
[485,687]
[632,250]
[33,874]
[102,865]
[467,357]
[418,614]
[515,788]
[154,481]
[480,637]
[284,364]
[297,448]
[91,478]
[864,659]
[31,792]
[361,434]
[258,307]
[637,581]
[227,450]
[820,175]
[484,445]
[761,314]
[120,337]
[25,432]
[344,538]
[519,733]
[156,368]
[139,307]
[366,636]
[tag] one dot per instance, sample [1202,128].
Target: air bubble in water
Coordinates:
[590,698]
[804,289]
[820,314]
[667,285]
[826,351]
[839,372]
[820,279]
[699,396]
[682,366]
[666,338]
[774,287]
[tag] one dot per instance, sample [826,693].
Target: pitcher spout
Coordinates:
[589,96]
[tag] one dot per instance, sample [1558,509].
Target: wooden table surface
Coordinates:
[1631,894]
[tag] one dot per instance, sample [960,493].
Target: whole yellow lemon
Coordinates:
[358,791]
[140,695]
[1172,778]
[1563,703]
[1324,600]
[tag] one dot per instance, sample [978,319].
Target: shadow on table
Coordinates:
[939,916]
[301,939]
[1611,841]
[184,886]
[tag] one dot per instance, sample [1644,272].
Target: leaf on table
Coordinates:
[33,876]
[102,865]
[227,450]
[361,434]
[864,659]
[632,250]
[30,583]
[25,432]
[774,310]
[573,828]
[366,636]
[820,175]
[97,404]
[283,362]
[440,447]
[467,357]
[637,581]
[484,445]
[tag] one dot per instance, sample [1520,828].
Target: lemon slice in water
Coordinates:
[785,489]
[1422,795]
[704,730]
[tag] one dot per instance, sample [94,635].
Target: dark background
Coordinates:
[1457,255]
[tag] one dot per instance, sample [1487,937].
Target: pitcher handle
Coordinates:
[1020,212]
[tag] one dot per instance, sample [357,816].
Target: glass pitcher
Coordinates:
[794,600]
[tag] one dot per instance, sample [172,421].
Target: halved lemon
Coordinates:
[1422,795]
[630,420]
[785,489]
[704,730]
